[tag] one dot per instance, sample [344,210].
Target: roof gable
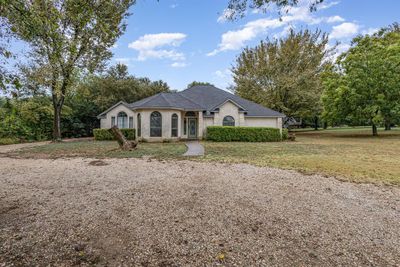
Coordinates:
[199,98]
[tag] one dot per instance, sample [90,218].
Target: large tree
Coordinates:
[364,85]
[66,35]
[284,74]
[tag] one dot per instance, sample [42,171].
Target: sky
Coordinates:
[180,41]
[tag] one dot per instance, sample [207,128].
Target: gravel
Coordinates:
[138,212]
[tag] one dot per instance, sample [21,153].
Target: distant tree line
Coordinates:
[296,76]
[28,115]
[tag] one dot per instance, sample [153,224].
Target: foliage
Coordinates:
[364,85]
[65,35]
[285,134]
[8,141]
[238,8]
[243,134]
[26,119]
[284,74]
[194,83]
[105,135]
[117,85]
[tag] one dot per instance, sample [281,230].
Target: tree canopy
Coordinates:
[238,8]
[65,35]
[194,83]
[284,74]
[363,87]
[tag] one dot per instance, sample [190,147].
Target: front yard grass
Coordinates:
[102,149]
[350,154]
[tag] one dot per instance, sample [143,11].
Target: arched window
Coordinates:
[174,125]
[155,124]
[139,125]
[228,121]
[122,120]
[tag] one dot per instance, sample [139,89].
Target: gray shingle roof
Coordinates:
[203,98]
[210,97]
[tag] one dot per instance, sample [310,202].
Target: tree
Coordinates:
[194,83]
[284,74]
[117,85]
[66,35]
[238,8]
[364,86]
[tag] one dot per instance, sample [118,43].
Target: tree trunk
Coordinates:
[387,126]
[57,104]
[124,144]
[316,123]
[325,125]
[374,130]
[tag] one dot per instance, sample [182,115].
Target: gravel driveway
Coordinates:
[133,212]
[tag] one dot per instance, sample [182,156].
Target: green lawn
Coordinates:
[350,154]
[102,149]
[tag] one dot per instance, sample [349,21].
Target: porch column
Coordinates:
[200,125]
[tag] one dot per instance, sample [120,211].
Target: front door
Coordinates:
[192,125]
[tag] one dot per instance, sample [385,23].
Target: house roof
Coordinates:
[210,97]
[201,98]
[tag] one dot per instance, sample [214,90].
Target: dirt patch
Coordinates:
[180,213]
[98,163]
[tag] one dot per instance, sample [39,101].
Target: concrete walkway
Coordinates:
[194,149]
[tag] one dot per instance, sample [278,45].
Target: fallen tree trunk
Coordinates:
[124,143]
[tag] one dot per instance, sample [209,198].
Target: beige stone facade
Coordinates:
[191,124]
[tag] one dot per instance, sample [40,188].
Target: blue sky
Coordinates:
[179,41]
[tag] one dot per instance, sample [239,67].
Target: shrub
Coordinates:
[285,134]
[104,134]
[243,134]
[8,141]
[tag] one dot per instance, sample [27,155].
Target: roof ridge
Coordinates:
[162,95]
[147,99]
[190,99]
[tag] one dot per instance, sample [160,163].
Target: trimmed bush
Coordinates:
[243,134]
[105,135]
[285,134]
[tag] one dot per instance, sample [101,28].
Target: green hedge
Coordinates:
[104,134]
[285,134]
[243,134]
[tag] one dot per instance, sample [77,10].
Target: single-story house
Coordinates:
[187,114]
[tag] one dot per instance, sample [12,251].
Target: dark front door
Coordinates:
[192,125]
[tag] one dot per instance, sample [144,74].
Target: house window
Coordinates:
[122,120]
[155,124]
[112,121]
[228,121]
[174,125]
[139,125]
[130,122]
[190,114]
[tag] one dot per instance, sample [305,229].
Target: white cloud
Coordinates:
[344,30]
[159,46]
[370,31]
[334,19]
[124,60]
[151,41]
[233,40]
[173,6]
[225,15]
[339,49]
[178,65]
